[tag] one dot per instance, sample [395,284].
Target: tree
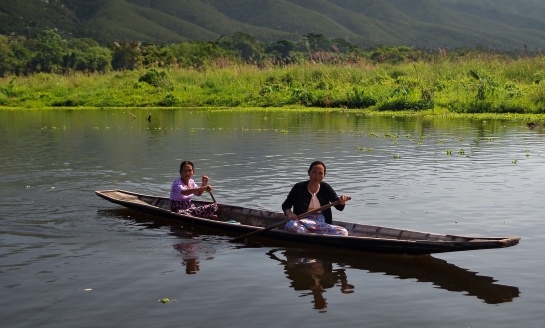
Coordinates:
[282,47]
[6,57]
[86,55]
[14,55]
[247,46]
[317,42]
[49,52]
[127,56]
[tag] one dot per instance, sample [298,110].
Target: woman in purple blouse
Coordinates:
[184,188]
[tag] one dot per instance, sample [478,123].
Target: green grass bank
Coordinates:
[481,83]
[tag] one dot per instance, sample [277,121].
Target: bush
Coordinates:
[156,78]
[406,104]
[170,100]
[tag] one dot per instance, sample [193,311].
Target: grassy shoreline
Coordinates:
[483,83]
[538,119]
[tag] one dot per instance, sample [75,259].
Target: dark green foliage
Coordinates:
[486,86]
[51,54]
[48,53]
[395,55]
[280,48]
[127,56]
[246,46]
[8,90]
[317,42]
[170,100]
[65,103]
[359,99]
[157,78]
[356,98]
[15,56]
[539,76]
[193,54]
[302,96]
[85,55]
[400,104]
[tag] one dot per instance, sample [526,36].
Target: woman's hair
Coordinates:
[187,162]
[316,163]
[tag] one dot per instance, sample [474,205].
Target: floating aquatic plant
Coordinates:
[166,300]
[360,149]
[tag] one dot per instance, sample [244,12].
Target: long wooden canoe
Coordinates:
[236,220]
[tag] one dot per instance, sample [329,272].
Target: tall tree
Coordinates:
[49,52]
[247,46]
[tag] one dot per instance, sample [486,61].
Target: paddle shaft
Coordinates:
[212,195]
[276,225]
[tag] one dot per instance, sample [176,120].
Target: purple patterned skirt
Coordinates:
[188,208]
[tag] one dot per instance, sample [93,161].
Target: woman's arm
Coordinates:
[331,196]
[198,190]
[291,200]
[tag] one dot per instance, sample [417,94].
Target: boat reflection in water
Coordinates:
[190,258]
[313,271]
[195,247]
[311,274]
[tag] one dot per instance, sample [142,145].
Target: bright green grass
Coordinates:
[480,84]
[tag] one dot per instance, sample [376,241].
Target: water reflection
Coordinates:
[313,271]
[194,247]
[191,259]
[189,248]
[314,275]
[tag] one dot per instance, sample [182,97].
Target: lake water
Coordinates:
[69,258]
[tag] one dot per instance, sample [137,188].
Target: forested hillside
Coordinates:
[511,25]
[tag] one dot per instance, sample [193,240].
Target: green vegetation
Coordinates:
[239,71]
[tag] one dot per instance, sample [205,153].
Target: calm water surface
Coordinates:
[69,258]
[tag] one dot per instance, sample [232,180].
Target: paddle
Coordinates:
[212,195]
[300,216]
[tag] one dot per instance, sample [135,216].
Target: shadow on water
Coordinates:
[312,270]
[316,269]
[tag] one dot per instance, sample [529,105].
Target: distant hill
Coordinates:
[510,25]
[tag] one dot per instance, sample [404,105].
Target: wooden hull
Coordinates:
[361,237]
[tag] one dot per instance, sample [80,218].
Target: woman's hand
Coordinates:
[344,199]
[205,180]
[290,215]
